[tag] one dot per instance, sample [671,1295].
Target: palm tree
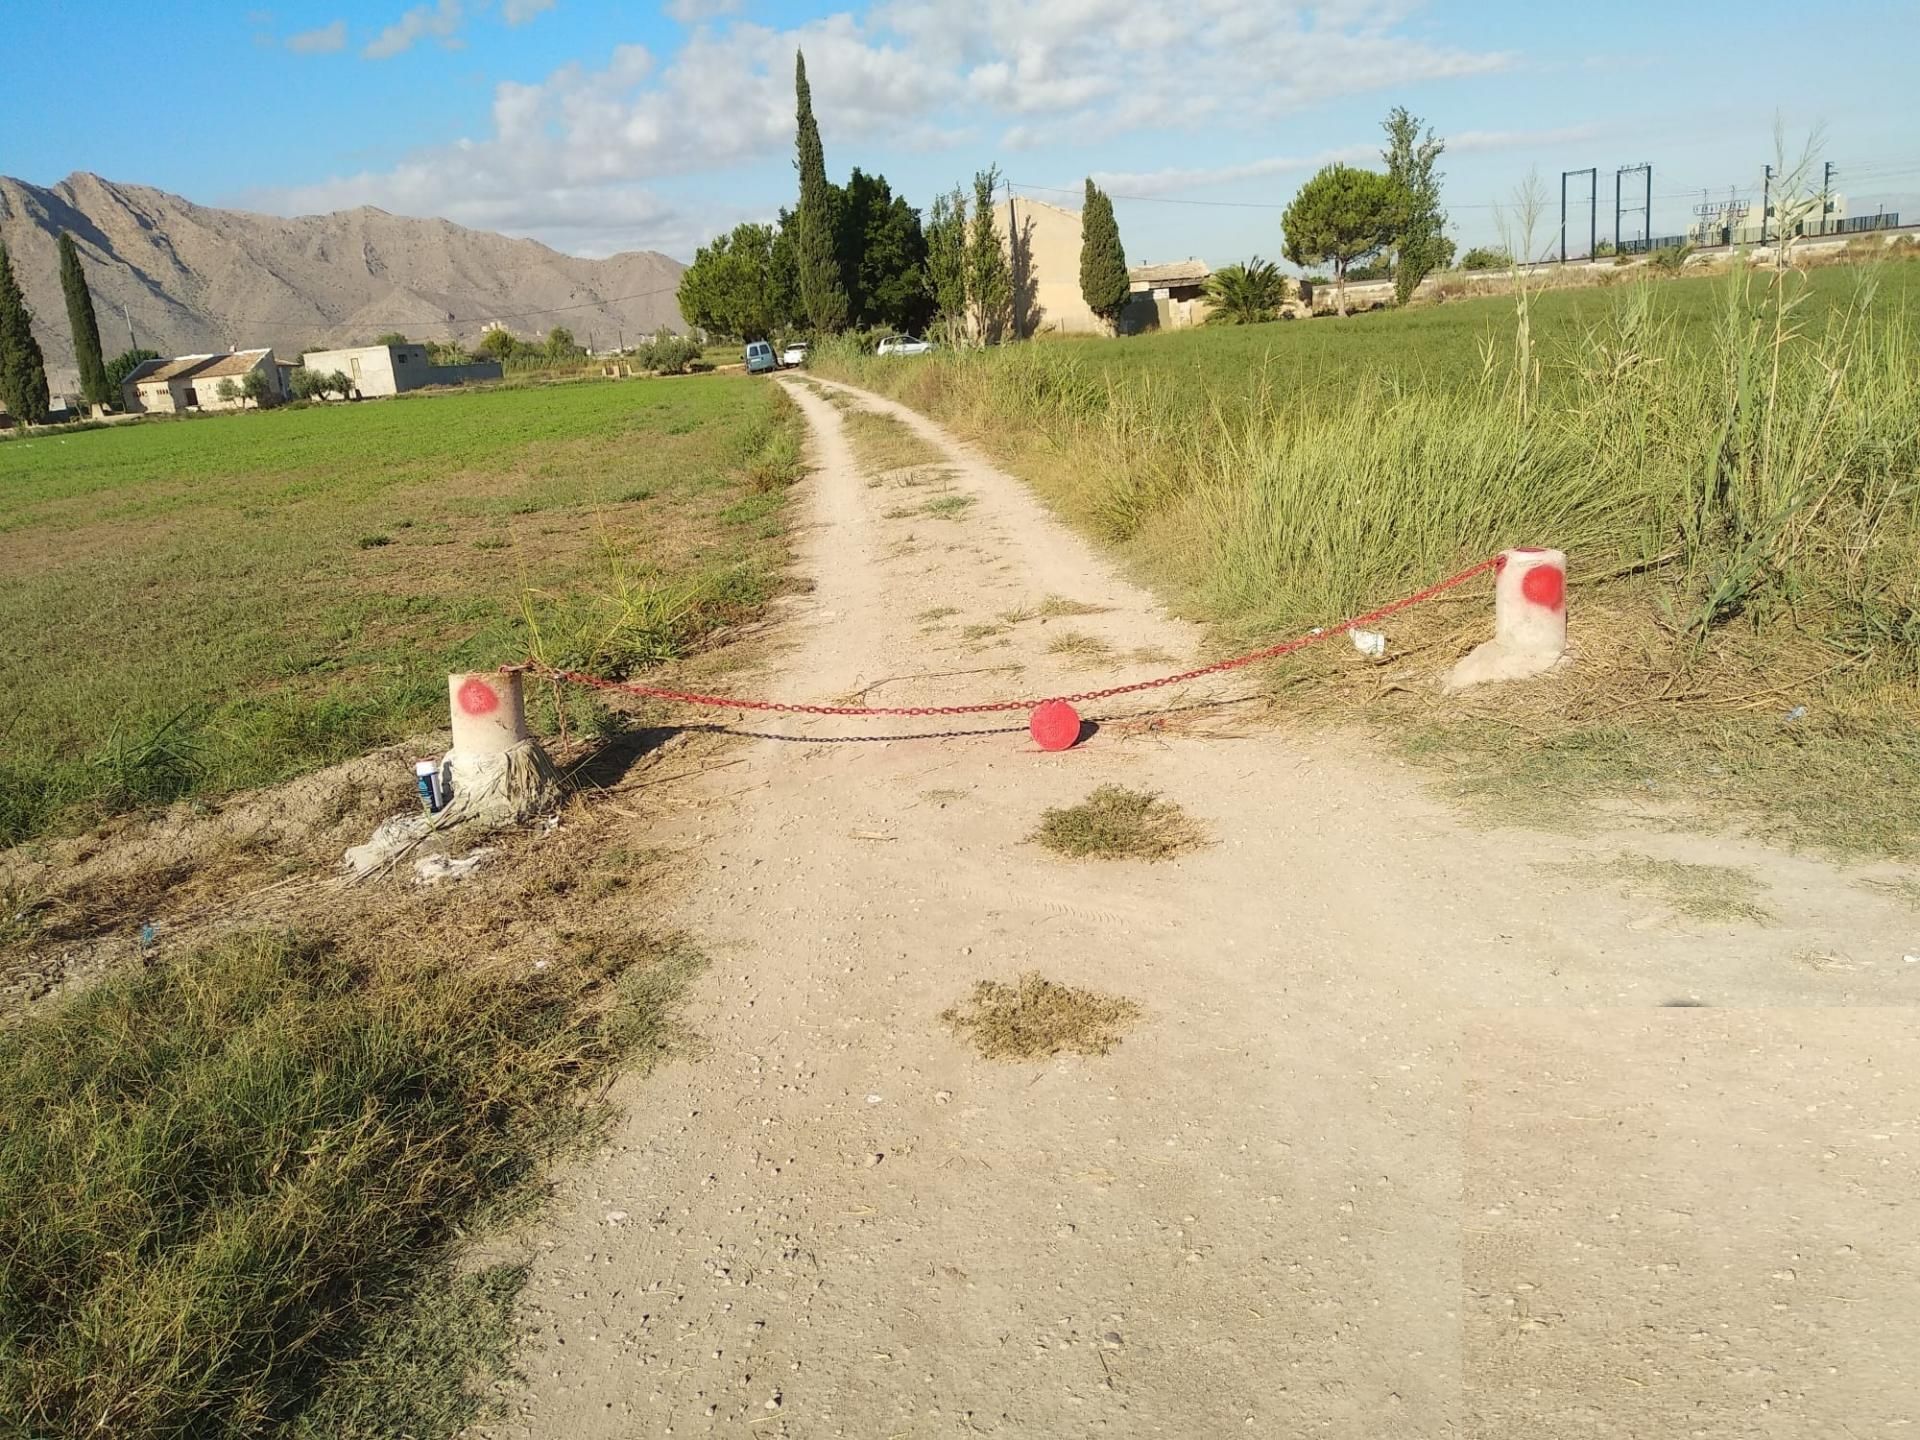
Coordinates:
[1245,294]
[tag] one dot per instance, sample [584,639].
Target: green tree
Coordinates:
[883,255]
[1485,257]
[561,344]
[1420,241]
[86,328]
[392,337]
[947,258]
[23,369]
[1245,294]
[228,389]
[123,365]
[823,291]
[255,386]
[989,276]
[1341,215]
[736,286]
[498,343]
[1103,261]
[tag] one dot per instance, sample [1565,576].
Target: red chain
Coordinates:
[1271,652]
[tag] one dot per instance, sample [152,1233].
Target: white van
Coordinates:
[760,358]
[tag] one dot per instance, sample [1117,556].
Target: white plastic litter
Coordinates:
[1370,643]
[432,869]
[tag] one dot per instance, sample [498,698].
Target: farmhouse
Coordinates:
[1043,251]
[391,369]
[193,382]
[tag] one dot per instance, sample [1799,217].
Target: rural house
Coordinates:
[1043,245]
[192,382]
[391,369]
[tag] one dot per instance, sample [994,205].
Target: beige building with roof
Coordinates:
[192,382]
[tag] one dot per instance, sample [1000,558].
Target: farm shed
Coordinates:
[392,369]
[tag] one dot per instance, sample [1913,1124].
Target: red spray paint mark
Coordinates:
[1054,725]
[1545,586]
[477,698]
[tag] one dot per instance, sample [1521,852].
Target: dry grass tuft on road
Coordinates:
[1115,823]
[1716,893]
[1038,1018]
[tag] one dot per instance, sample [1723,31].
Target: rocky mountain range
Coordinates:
[192,279]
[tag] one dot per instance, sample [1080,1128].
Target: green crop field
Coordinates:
[197,605]
[1732,462]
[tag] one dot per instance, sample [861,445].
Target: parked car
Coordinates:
[794,355]
[904,345]
[760,358]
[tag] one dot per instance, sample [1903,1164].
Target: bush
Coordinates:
[1670,258]
[668,353]
[1484,257]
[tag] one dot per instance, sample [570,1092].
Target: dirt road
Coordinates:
[1408,1142]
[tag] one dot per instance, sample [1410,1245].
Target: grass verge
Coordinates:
[224,1176]
[1716,893]
[1731,463]
[1115,823]
[1038,1018]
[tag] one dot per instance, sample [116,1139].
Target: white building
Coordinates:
[193,382]
[390,369]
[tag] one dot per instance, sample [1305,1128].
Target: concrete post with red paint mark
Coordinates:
[489,712]
[1529,620]
[496,771]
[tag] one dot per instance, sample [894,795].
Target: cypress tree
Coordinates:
[823,293]
[23,370]
[1103,263]
[86,329]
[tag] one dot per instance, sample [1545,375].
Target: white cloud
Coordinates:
[519,12]
[440,22]
[692,12]
[324,41]
[909,74]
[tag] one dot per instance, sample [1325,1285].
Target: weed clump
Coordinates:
[1115,823]
[1038,1018]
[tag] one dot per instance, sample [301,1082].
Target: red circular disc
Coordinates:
[1055,725]
[1545,585]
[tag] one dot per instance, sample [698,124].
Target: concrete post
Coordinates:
[1529,620]
[496,771]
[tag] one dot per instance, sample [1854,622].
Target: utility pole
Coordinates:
[1766,203]
[1592,173]
[1826,193]
[132,344]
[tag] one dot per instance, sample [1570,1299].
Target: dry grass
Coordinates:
[1718,894]
[1115,823]
[882,443]
[1038,1018]
[1077,643]
[1903,888]
[937,613]
[1056,607]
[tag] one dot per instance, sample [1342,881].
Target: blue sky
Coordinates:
[598,126]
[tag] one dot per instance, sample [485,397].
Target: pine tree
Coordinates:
[23,370]
[86,328]
[1103,263]
[823,293]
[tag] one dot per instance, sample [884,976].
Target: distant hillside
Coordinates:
[195,279]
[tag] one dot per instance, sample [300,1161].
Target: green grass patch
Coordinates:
[231,1183]
[949,507]
[199,607]
[882,443]
[1116,823]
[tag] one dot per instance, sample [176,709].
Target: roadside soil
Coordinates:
[1426,1128]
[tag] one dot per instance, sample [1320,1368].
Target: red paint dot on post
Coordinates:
[477,697]
[1055,725]
[1545,585]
